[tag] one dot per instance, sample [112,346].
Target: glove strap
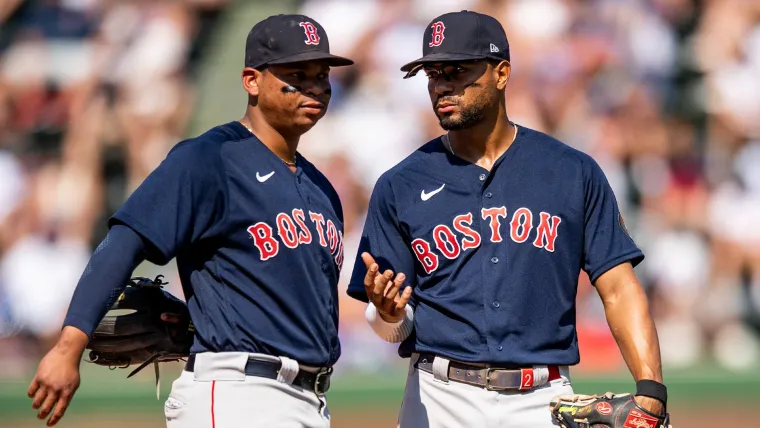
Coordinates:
[155,366]
[653,389]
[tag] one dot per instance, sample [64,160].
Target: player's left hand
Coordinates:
[383,291]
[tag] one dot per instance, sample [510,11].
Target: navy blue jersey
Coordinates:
[258,248]
[495,257]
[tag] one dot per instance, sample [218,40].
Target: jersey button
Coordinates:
[494,259]
[489,194]
[500,348]
[496,304]
[482,177]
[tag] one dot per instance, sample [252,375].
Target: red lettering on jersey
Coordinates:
[446,242]
[493,214]
[472,238]
[263,240]
[421,249]
[287,230]
[312,37]
[437,35]
[319,221]
[521,219]
[546,234]
[304,235]
[332,236]
[339,257]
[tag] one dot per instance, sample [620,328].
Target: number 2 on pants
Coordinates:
[526,378]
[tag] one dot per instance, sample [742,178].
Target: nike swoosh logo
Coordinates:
[263,178]
[425,196]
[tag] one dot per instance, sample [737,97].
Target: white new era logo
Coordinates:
[494,48]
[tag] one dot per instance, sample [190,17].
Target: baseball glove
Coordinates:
[132,332]
[604,411]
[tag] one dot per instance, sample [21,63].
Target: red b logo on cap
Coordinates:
[312,38]
[438,28]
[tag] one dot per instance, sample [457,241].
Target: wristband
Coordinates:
[653,389]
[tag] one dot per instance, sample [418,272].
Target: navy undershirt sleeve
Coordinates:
[105,277]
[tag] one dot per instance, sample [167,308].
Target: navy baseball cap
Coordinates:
[284,39]
[461,36]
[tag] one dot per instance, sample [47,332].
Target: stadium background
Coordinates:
[665,94]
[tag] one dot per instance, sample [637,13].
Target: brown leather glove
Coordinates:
[133,331]
[604,411]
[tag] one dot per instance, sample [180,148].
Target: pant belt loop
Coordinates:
[541,374]
[288,371]
[441,369]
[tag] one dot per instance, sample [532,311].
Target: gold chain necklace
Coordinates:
[288,163]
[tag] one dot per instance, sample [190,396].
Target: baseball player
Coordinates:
[473,245]
[257,233]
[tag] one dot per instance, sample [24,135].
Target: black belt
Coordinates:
[318,382]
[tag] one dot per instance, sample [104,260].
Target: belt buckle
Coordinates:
[318,379]
[488,380]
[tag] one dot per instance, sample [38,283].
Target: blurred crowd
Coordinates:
[664,94]
[93,94]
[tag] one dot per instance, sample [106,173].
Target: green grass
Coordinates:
[685,388]
[105,391]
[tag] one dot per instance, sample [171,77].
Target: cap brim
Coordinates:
[332,60]
[413,67]
[440,57]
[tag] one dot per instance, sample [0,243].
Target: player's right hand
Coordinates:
[57,377]
[383,291]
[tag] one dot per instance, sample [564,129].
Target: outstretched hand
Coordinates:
[383,291]
[57,377]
